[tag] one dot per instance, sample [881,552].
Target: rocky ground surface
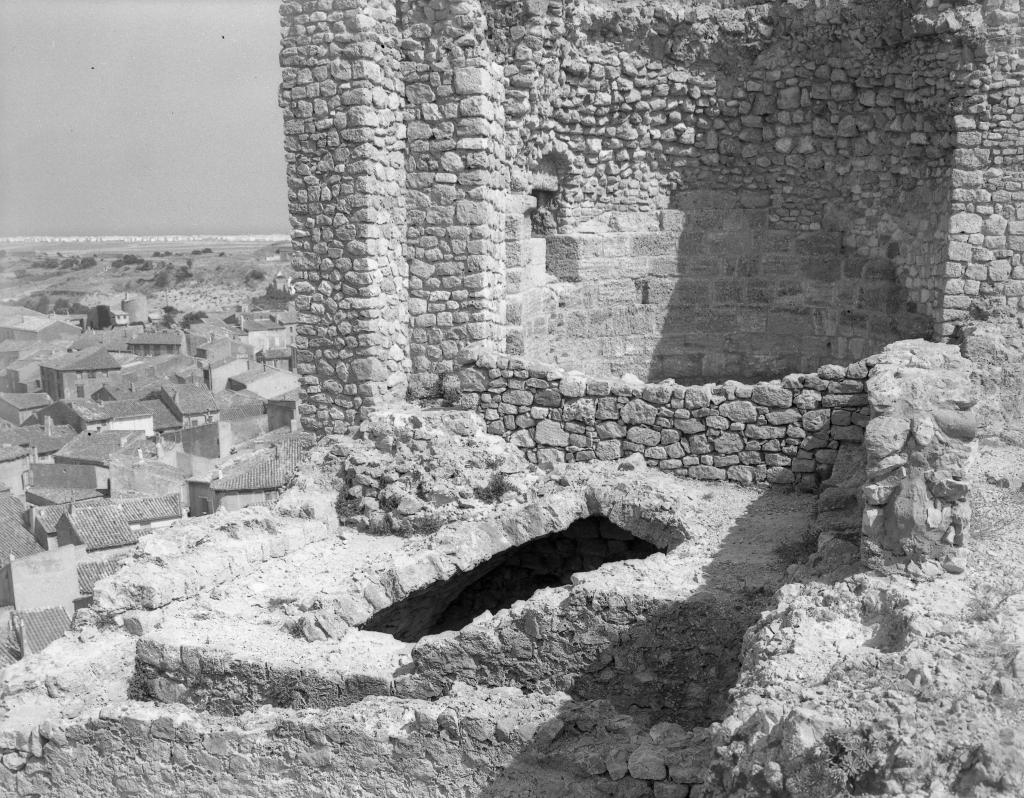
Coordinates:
[750,654]
[900,683]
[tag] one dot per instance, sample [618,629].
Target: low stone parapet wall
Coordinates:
[785,431]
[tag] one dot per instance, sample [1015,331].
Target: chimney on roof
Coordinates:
[48,425]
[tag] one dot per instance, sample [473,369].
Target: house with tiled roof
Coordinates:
[158,342]
[114,339]
[76,375]
[164,420]
[41,520]
[254,476]
[43,493]
[96,526]
[15,463]
[15,540]
[36,629]
[95,448]
[146,513]
[79,414]
[278,358]
[31,575]
[92,571]
[28,327]
[17,409]
[191,404]
[217,371]
[266,382]
[129,414]
[44,439]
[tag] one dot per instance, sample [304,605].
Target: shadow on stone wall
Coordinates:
[639,713]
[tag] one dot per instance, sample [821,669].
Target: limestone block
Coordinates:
[772,395]
[550,433]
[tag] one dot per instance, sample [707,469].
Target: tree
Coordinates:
[170,315]
[193,317]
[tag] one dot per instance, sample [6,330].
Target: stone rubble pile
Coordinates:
[412,472]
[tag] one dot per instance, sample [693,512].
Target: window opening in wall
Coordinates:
[511,575]
[542,220]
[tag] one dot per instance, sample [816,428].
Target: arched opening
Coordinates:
[512,575]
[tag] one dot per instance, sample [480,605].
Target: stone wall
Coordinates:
[342,96]
[389,747]
[708,293]
[984,268]
[813,165]
[786,431]
[823,178]
[456,185]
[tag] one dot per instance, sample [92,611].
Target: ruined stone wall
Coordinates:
[839,175]
[456,185]
[810,149]
[139,749]
[984,268]
[342,96]
[784,432]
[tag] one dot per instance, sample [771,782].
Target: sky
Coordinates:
[141,117]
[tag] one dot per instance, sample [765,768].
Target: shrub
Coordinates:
[426,523]
[497,486]
[861,757]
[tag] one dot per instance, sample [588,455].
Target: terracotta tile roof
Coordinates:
[93,359]
[254,375]
[101,526]
[145,509]
[157,337]
[87,409]
[115,339]
[39,628]
[27,401]
[15,539]
[96,447]
[90,572]
[10,651]
[259,325]
[48,515]
[60,495]
[237,412]
[16,311]
[29,323]
[34,436]
[126,408]
[263,469]
[191,399]
[9,453]
[163,418]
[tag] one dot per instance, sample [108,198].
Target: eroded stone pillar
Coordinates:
[918,447]
[343,96]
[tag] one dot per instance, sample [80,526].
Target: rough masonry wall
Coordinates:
[810,149]
[342,95]
[985,261]
[457,180]
[784,432]
[840,175]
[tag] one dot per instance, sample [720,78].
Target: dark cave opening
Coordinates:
[510,576]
